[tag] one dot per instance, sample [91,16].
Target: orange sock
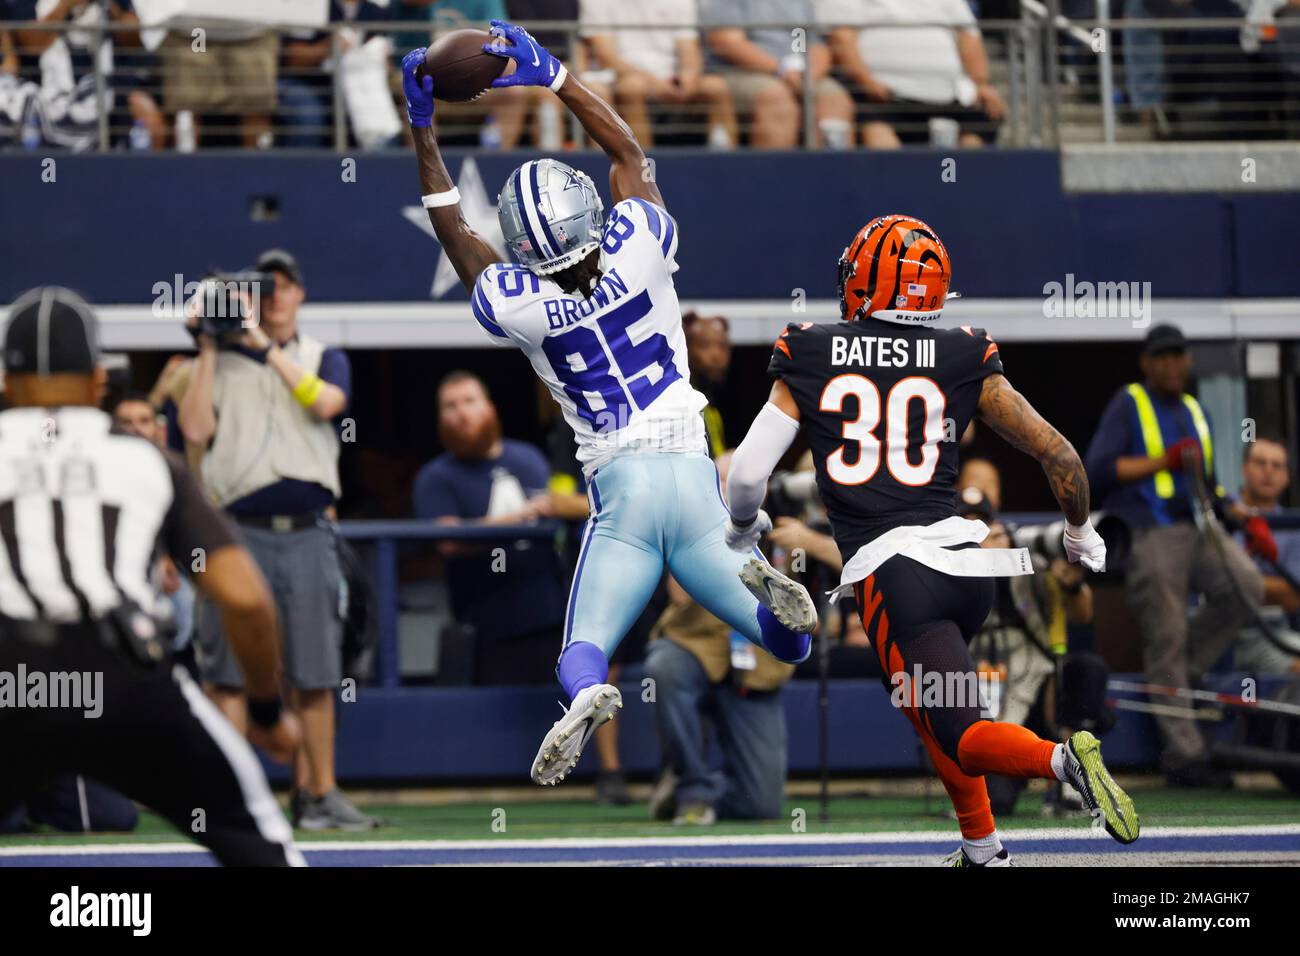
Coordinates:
[1008,749]
[969,795]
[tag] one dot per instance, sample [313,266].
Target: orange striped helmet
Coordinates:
[895,269]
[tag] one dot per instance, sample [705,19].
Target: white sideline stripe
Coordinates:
[1074,834]
[449,324]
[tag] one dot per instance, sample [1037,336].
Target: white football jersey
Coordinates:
[615,360]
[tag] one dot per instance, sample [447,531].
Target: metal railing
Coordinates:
[1099,80]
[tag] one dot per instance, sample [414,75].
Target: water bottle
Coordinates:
[185,142]
[549,129]
[138,138]
[31,132]
[489,134]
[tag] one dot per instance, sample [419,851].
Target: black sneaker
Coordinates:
[1199,775]
[298,800]
[611,789]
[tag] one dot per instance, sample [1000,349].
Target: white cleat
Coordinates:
[563,745]
[788,600]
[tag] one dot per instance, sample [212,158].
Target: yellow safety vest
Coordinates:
[1155,443]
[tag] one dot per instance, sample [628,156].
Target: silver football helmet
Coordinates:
[551,215]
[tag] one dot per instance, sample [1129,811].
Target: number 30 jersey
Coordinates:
[614,360]
[883,407]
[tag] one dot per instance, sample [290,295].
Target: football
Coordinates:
[460,69]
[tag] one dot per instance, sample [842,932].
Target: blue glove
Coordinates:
[534,66]
[419,90]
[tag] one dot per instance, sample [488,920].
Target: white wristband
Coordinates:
[1079,531]
[448,198]
[560,77]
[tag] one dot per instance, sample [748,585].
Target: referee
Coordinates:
[86,685]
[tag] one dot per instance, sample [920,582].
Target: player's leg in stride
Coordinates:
[619,567]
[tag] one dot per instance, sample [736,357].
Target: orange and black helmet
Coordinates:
[895,269]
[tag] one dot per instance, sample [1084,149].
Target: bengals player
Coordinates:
[882,398]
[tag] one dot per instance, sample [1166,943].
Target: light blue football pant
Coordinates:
[648,510]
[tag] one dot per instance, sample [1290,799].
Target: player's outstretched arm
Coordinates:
[768,439]
[534,66]
[468,252]
[1008,413]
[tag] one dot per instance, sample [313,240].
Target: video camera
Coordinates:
[227,303]
[1047,540]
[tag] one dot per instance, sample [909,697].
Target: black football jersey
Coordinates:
[883,407]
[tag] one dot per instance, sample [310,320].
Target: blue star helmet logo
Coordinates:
[574,181]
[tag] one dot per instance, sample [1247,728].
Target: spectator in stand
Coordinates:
[663,66]
[708,350]
[8,52]
[1152,439]
[136,414]
[1144,61]
[1265,475]
[982,474]
[513,599]
[507,109]
[67,79]
[306,75]
[226,70]
[765,70]
[548,115]
[902,76]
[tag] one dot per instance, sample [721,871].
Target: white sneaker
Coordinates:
[788,600]
[959,858]
[563,745]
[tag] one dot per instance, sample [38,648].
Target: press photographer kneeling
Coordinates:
[261,405]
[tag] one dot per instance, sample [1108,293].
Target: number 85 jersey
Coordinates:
[615,360]
[883,407]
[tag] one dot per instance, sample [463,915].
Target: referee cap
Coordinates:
[51,331]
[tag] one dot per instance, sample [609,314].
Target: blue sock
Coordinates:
[582,664]
[783,643]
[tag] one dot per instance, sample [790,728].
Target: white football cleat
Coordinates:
[563,744]
[788,600]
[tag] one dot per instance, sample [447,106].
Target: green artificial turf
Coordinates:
[537,819]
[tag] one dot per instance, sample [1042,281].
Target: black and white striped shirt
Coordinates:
[83,510]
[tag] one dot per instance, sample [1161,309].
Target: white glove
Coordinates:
[746,539]
[1083,545]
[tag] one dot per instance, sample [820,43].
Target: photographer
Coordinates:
[260,401]
[1153,447]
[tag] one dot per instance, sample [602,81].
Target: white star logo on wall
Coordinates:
[479,211]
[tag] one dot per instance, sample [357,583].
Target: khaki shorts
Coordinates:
[230,76]
[746,85]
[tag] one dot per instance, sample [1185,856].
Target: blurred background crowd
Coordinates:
[720,74]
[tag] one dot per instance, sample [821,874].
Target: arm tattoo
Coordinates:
[1007,413]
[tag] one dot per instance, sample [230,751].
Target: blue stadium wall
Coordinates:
[752,225]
